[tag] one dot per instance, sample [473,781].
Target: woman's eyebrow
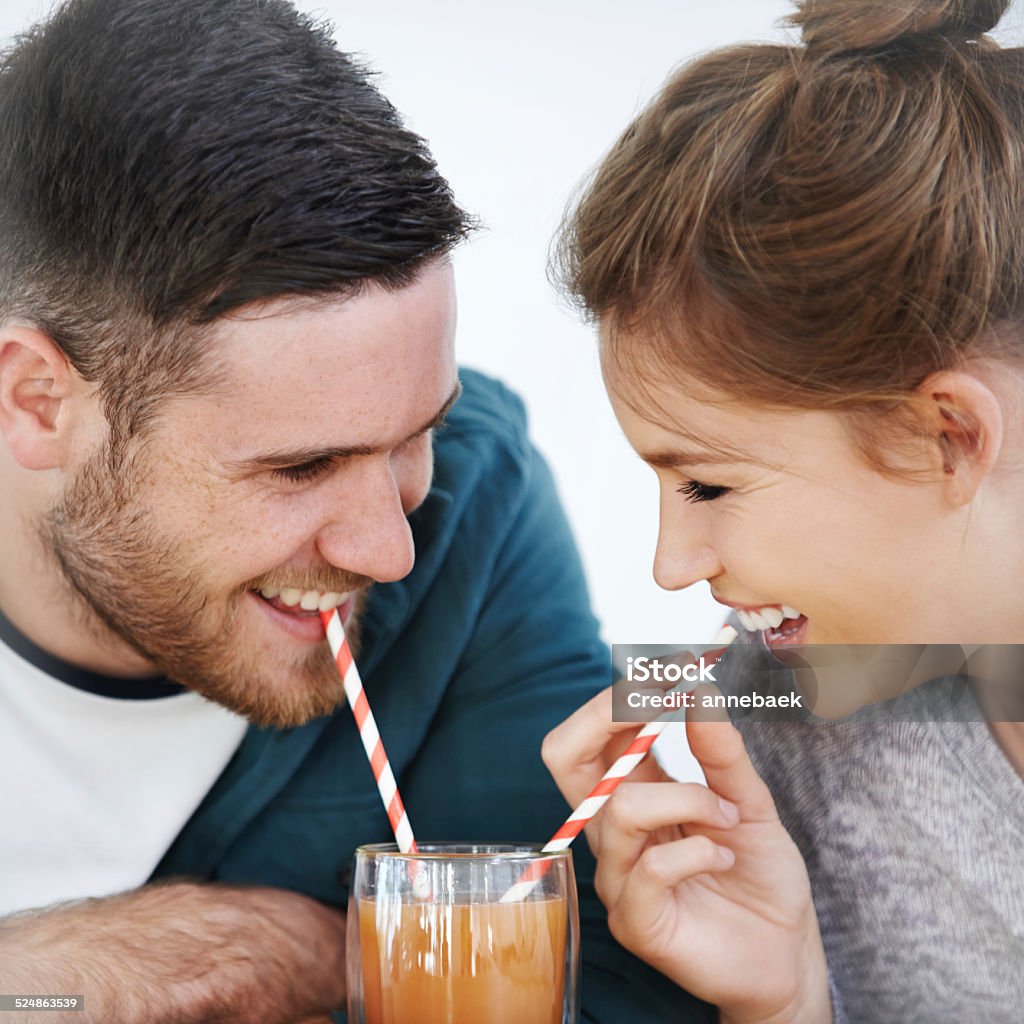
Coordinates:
[674,458]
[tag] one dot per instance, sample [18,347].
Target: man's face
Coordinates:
[291,484]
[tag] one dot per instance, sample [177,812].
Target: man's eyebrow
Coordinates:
[284,457]
[677,458]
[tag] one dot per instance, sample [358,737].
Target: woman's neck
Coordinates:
[1010,737]
[997,672]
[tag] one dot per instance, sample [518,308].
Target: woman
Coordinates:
[807,264]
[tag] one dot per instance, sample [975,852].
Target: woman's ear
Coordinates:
[36,385]
[963,416]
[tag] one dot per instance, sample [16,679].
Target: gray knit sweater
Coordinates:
[913,835]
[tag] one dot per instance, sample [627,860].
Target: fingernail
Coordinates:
[725,856]
[730,811]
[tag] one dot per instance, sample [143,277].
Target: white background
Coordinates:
[518,101]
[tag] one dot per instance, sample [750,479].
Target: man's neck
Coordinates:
[42,605]
[64,628]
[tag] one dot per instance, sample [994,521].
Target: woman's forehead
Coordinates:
[673,424]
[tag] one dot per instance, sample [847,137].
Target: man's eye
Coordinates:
[694,490]
[303,472]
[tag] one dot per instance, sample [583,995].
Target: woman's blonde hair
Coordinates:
[821,225]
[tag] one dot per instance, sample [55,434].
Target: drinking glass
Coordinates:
[431,941]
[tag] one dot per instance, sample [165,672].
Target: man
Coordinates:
[226,346]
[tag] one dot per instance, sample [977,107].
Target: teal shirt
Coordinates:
[467,662]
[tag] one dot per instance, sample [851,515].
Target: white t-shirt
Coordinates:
[97,775]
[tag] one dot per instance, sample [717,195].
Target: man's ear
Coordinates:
[36,385]
[964,418]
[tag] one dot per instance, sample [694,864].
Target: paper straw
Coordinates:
[630,758]
[609,782]
[368,733]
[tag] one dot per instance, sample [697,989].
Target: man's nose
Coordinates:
[366,530]
[685,552]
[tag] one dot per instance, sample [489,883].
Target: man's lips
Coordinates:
[303,624]
[297,600]
[291,609]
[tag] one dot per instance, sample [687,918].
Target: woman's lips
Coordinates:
[791,631]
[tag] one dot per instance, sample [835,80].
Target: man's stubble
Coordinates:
[136,585]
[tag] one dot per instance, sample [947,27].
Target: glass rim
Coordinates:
[462,850]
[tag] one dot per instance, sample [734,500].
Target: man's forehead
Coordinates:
[277,457]
[369,370]
[356,342]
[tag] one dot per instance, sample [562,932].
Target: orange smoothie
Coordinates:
[473,963]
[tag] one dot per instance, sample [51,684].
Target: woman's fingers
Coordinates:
[580,750]
[644,911]
[718,746]
[639,809]
[574,751]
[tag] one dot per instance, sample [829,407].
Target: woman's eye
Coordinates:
[303,472]
[694,490]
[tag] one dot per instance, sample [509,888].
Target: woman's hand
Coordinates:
[703,883]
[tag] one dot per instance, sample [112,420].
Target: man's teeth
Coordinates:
[307,600]
[769,617]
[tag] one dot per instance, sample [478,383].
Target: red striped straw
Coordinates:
[609,782]
[368,733]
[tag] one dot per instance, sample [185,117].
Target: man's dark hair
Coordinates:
[163,162]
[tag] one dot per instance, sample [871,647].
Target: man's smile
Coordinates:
[295,601]
[297,612]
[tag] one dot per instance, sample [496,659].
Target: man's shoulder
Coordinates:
[488,414]
[486,474]
[483,457]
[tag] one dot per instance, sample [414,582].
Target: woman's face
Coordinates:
[796,521]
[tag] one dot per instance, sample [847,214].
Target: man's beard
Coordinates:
[147,589]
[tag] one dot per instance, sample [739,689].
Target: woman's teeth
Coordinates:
[771,616]
[307,600]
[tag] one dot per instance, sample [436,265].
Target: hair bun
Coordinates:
[832,26]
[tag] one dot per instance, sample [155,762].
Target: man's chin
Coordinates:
[281,702]
[277,690]
[274,685]
[281,715]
